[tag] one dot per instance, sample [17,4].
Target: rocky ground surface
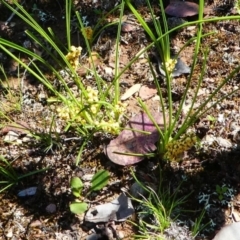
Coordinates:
[210,172]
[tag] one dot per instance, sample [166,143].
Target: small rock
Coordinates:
[179,69]
[121,234]
[93,236]
[221,118]
[136,190]
[28,192]
[108,71]
[118,210]
[236,135]
[9,233]
[11,137]
[231,231]
[174,22]
[128,27]
[225,143]
[51,208]
[87,177]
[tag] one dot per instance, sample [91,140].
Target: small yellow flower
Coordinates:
[73,56]
[93,109]
[170,65]
[89,32]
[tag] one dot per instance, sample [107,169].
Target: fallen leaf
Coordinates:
[182,9]
[133,141]
[147,92]
[132,90]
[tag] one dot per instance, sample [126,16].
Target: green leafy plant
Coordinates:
[212,120]
[198,225]
[175,138]
[220,191]
[96,108]
[99,180]
[9,177]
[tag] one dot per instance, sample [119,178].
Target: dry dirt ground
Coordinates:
[205,170]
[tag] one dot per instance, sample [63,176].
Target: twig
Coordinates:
[12,15]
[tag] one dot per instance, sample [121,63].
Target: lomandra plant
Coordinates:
[93,108]
[176,138]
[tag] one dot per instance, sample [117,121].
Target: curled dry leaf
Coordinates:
[132,141]
[182,9]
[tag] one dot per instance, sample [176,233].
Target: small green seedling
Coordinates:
[211,118]
[99,180]
[76,186]
[220,191]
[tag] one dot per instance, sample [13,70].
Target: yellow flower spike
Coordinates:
[72,48]
[83,121]
[170,65]
[93,109]
[89,32]
[176,148]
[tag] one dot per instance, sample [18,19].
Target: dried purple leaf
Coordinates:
[182,9]
[133,141]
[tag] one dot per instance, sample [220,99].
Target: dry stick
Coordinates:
[24,75]
[12,15]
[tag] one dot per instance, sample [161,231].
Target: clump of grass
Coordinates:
[9,177]
[174,134]
[178,134]
[158,210]
[94,108]
[12,97]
